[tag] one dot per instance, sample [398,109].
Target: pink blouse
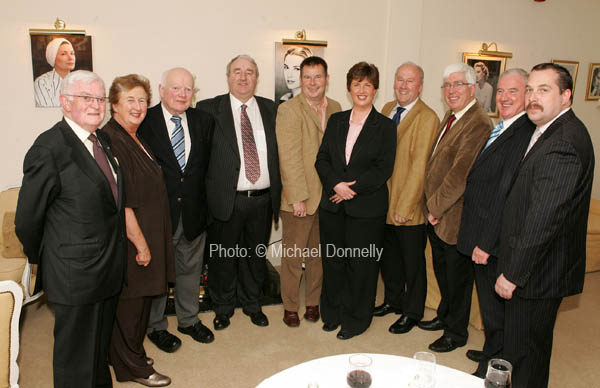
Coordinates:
[353,133]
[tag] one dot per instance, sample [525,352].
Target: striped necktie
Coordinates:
[178,142]
[495,133]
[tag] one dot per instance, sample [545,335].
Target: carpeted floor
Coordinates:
[243,354]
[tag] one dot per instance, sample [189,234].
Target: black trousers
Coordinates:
[127,354]
[81,339]
[349,276]
[454,274]
[491,306]
[237,269]
[528,335]
[403,268]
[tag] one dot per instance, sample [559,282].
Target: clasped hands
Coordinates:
[343,192]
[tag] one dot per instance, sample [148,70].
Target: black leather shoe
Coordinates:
[384,309]
[258,318]
[199,332]
[344,335]
[445,344]
[221,321]
[403,325]
[433,325]
[164,340]
[330,326]
[477,355]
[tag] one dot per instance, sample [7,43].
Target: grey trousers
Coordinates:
[189,256]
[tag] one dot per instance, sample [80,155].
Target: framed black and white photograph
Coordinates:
[592,92]
[571,66]
[288,58]
[53,56]
[487,71]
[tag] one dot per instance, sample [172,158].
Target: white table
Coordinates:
[388,372]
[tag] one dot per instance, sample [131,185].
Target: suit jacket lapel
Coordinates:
[436,149]
[85,161]
[504,136]
[225,118]
[269,126]
[114,163]
[311,112]
[160,130]
[342,134]
[365,136]
[551,129]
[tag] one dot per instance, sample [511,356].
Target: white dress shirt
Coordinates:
[539,131]
[258,130]
[407,109]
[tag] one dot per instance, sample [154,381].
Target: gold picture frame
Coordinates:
[572,67]
[592,92]
[486,89]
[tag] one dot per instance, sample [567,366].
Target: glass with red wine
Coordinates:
[359,371]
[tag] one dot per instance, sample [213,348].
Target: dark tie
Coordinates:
[448,125]
[102,161]
[178,142]
[397,115]
[249,146]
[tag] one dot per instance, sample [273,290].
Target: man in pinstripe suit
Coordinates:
[542,243]
[487,186]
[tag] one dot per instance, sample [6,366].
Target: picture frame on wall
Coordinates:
[592,92]
[571,66]
[487,69]
[53,56]
[288,58]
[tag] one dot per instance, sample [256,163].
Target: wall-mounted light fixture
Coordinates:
[301,39]
[485,50]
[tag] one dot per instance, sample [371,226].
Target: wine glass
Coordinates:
[498,374]
[359,371]
[425,377]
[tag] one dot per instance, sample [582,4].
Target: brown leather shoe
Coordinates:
[312,313]
[154,380]
[291,318]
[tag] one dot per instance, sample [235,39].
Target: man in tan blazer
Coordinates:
[405,237]
[464,131]
[300,124]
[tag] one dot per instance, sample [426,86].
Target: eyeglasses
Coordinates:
[89,99]
[454,85]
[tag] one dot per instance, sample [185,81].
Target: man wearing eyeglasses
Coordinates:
[462,133]
[180,137]
[70,219]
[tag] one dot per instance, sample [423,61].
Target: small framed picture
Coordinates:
[487,70]
[592,92]
[571,66]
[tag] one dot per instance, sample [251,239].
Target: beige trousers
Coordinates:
[300,242]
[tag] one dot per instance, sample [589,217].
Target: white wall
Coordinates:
[148,37]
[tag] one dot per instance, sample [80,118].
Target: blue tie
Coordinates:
[178,142]
[494,134]
[397,115]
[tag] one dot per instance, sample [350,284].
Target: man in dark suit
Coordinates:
[180,137]
[463,132]
[544,225]
[405,235]
[487,186]
[70,220]
[244,193]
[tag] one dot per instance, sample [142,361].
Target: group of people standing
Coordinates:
[112,215]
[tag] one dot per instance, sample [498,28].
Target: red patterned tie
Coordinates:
[102,161]
[249,145]
[450,121]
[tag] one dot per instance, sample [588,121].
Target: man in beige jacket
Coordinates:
[403,260]
[462,134]
[300,125]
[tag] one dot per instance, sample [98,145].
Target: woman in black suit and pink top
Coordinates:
[354,162]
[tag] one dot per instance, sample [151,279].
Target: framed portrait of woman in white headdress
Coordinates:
[53,56]
[487,72]
[288,58]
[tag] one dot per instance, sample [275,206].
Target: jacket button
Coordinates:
[179,199]
[182,179]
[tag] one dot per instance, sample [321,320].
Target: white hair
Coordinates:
[84,76]
[241,56]
[163,78]
[468,71]
[516,71]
